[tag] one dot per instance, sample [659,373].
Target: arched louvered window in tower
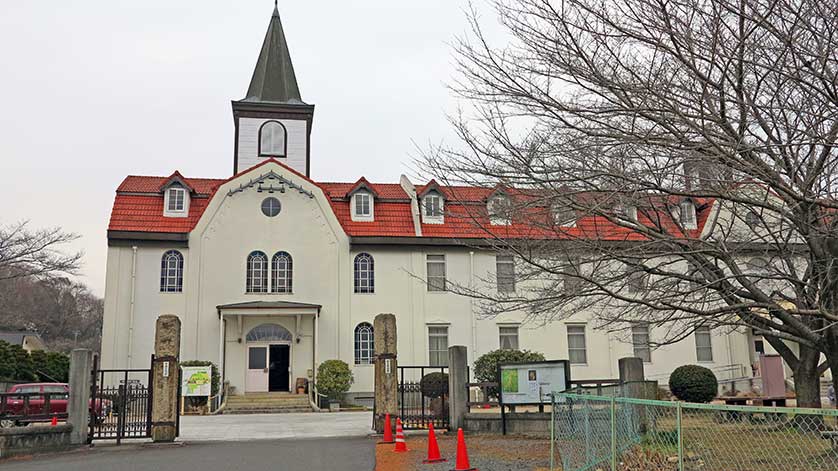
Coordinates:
[282,272]
[257,272]
[364,273]
[364,344]
[171,272]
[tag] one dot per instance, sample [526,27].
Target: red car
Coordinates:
[60,394]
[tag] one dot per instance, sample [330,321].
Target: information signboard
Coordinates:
[197,381]
[532,383]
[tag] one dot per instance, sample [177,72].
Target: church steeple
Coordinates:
[272,121]
[273,78]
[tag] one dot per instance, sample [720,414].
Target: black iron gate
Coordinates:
[418,408]
[120,403]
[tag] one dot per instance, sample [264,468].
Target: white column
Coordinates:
[221,348]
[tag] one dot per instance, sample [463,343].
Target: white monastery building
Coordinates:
[272,272]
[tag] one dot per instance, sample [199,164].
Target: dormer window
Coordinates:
[626,213]
[272,139]
[432,209]
[362,206]
[499,210]
[564,216]
[688,216]
[176,202]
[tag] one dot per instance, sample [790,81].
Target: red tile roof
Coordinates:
[138,207]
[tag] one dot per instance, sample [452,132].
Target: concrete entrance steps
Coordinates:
[267,403]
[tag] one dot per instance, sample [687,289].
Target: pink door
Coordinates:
[257,369]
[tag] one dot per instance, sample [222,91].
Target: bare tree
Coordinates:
[670,161]
[25,252]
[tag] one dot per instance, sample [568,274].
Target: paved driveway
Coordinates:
[274,426]
[327,454]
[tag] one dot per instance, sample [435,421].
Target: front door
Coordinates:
[279,371]
[257,369]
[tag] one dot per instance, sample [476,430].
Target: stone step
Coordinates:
[265,410]
[303,401]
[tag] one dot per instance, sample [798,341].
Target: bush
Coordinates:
[15,363]
[51,366]
[693,383]
[434,385]
[486,367]
[333,379]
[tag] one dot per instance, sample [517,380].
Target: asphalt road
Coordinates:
[355,454]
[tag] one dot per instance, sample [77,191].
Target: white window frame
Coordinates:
[363,273]
[573,331]
[181,212]
[640,349]
[637,280]
[171,272]
[260,272]
[511,331]
[285,273]
[688,216]
[505,285]
[276,129]
[437,356]
[496,219]
[356,198]
[440,203]
[439,259]
[703,332]
[364,344]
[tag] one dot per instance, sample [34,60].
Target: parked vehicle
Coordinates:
[27,403]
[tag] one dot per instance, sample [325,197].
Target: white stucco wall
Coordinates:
[296,139]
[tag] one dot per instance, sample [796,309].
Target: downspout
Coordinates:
[471,306]
[131,309]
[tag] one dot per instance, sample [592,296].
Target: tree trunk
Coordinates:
[807,386]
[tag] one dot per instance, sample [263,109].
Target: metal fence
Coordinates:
[595,432]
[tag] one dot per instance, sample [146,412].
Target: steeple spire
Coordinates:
[273,79]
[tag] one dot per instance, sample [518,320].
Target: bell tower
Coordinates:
[272,121]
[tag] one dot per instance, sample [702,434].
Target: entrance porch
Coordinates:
[267,347]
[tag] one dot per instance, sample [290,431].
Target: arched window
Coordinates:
[171,272]
[269,333]
[257,272]
[364,273]
[364,344]
[281,266]
[272,139]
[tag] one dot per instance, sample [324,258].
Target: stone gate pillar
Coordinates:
[386,373]
[457,386]
[164,408]
[78,409]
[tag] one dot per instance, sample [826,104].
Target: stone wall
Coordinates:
[17,441]
[517,423]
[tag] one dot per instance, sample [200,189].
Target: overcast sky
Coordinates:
[93,91]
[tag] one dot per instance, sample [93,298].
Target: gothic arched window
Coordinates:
[281,266]
[171,272]
[364,344]
[272,139]
[364,273]
[257,272]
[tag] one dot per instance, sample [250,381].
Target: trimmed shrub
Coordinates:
[693,383]
[434,385]
[334,378]
[486,367]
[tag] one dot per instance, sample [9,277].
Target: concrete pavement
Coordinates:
[247,427]
[354,453]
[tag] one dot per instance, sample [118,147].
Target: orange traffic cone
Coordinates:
[462,454]
[54,421]
[433,447]
[388,430]
[401,446]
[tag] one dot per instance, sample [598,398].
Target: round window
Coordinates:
[271,207]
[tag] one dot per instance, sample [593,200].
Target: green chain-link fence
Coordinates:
[616,433]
